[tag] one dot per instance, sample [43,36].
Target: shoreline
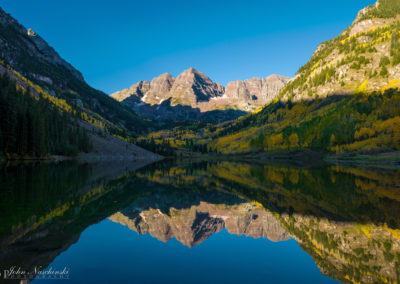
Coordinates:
[306,158]
[84,158]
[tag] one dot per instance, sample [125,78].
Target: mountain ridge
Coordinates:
[359,55]
[24,51]
[32,68]
[195,89]
[344,100]
[35,44]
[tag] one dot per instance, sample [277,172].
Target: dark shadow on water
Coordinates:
[45,207]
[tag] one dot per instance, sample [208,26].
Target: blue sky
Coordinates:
[117,43]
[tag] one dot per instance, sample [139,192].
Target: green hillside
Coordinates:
[364,56]
[361,122]
[47,108]
[33,126]
[29,55]
[385,9]
[345,99]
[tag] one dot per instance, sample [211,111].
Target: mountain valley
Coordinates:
[345,100]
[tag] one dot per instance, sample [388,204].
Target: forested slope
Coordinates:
[47,108]
[33,58]
[345,99]
[31,126]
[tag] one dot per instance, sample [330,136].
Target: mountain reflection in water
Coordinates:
[193,225]
[346,218]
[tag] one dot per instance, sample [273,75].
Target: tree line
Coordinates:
[361,122]
[31,126]
[163,148]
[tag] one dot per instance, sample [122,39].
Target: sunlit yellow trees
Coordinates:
[293,140]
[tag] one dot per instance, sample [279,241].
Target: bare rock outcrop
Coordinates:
[159,89]
[259,90]
[194,89]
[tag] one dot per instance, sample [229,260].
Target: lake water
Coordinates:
[203,222]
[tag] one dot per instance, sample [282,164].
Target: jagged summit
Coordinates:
[191,70]
[195,89]
[165,75]
[192,87]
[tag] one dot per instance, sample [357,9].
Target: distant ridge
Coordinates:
[194,89]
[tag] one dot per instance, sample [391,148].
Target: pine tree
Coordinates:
[34,126]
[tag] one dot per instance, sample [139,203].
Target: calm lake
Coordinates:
[198,222]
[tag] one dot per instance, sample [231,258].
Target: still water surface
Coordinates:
[205,222]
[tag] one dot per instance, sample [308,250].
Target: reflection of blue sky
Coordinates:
[108,252]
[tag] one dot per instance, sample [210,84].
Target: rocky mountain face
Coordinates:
[152,92]
[365,57]
[193,87]
[158,98]
[193,225]
[250,94]
[31,45]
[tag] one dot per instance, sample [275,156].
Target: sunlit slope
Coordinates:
[31,56]
[346,98]
[364,57]
[336,124]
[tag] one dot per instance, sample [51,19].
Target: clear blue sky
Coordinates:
[117,43]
